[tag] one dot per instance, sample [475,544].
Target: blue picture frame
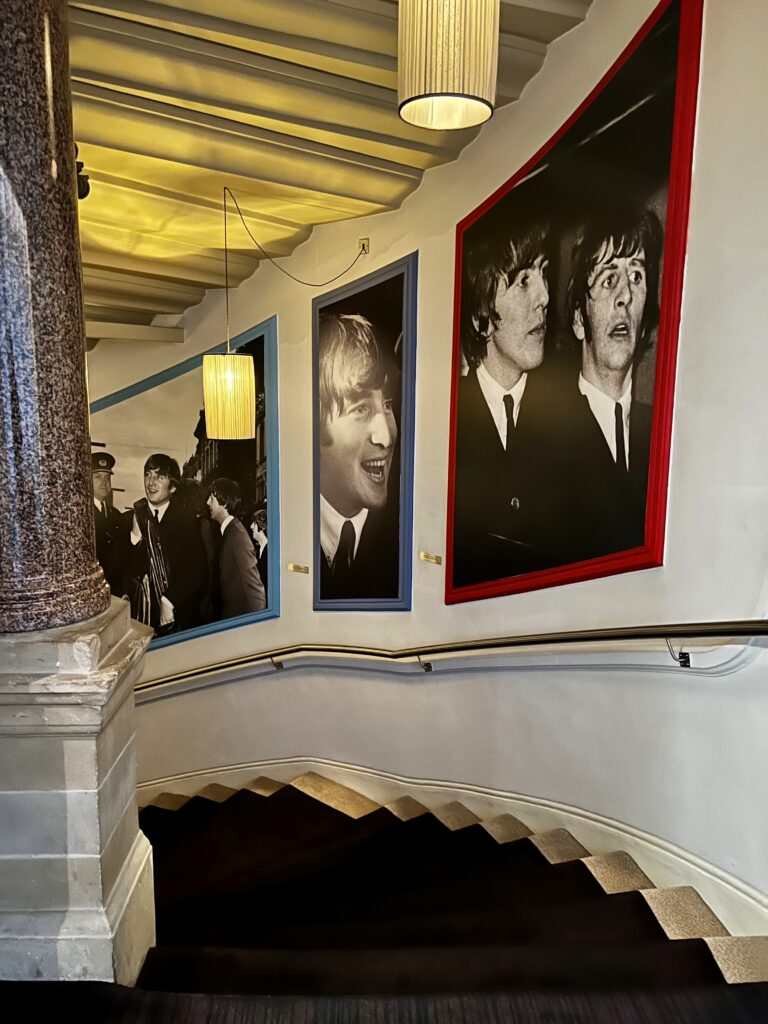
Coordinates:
[267,330]
[360,298]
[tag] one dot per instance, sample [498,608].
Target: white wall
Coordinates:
[647,754]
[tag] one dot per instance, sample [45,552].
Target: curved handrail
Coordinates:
[676,631]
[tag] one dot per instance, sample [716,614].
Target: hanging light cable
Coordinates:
[447,58]
[229,386]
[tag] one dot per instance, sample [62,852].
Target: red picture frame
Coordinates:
[639,61]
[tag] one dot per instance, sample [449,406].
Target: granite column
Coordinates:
[76,893]
[49,575]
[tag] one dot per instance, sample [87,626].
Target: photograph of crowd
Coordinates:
[558,354]
[180,518]
[363,369]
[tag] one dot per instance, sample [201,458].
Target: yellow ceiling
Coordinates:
[292,103]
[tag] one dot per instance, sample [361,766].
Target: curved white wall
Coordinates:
[679,755]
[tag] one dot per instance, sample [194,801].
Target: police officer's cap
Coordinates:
[102,462]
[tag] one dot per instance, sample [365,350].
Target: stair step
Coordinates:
[217,792]
[741,958]
[558,846]
[335,795]
[455,816]
[348,901]
[405,808]
[156,822]
[266,839]
[646,965]
[617,872]
[264,786]
[683,914]
[506,828]
[169,801]
[624,918]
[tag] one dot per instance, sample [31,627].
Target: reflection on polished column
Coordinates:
[49,575]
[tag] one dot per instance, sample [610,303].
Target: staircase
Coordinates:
[313,889]
[308,903]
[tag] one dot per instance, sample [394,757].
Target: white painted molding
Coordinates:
[742,908]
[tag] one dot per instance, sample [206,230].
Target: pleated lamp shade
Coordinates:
[447,57]
[229,390]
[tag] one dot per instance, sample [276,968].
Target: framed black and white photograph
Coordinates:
[568,290]
[187,526]
[364,360]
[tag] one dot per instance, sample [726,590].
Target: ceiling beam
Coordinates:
[102,331]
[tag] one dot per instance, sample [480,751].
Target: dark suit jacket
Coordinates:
[263,560]
[505,509]
[239,581]
[606,504]
[375,571]
[112,545]
[185,559]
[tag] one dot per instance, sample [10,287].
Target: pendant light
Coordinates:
[446,62]
[229,386]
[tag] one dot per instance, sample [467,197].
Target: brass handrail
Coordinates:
[675,631]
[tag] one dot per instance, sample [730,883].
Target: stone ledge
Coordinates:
[73,703]
[66,650]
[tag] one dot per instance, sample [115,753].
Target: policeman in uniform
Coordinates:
[111,526]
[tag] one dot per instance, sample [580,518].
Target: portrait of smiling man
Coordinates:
[358,433]
[613,307]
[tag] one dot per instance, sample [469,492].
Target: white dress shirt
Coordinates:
[331,523]
[225,524]
[603,409]
[161,510]
[494,393]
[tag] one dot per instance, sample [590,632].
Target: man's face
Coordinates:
[521,307]
[356,455]
[102,485]
[616,293]
[218,512]
[157,487]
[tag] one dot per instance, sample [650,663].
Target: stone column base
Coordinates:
[76,891]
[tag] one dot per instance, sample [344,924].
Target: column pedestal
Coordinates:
[76,892]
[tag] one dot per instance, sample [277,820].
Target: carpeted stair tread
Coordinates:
[646,965]
[625,918]
[106,1003]
[156,822]
[405,857]
[232,920]
[282,837]
[198,820]
[261,853]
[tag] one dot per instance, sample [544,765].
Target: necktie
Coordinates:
[621,452]
[157,516]
[345,552]
[103,507]
[509,409]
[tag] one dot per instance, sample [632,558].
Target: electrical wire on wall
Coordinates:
[309,284]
